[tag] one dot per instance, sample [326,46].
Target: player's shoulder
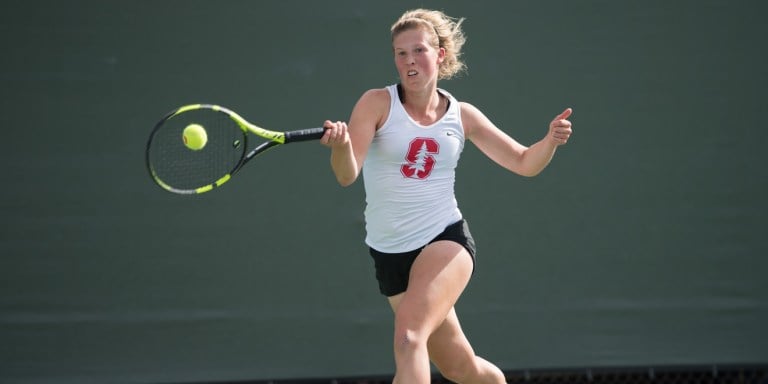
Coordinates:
[471,118]
[376,95]
[373,106]
[469,110]
[376,98]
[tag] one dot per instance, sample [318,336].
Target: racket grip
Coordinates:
[304,134]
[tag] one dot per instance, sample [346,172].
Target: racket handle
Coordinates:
[304,134]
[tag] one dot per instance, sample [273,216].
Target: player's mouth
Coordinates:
[412,73]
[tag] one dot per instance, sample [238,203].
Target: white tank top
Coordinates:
[409,174]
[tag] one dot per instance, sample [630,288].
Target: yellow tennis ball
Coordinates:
[195,137]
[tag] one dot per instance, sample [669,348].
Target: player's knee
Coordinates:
[407,340]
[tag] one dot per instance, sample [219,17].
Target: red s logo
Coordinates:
[419,158]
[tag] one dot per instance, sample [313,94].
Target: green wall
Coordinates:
[644,243]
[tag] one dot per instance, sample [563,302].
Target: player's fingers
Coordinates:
[560,121]
[337,131]
[563,134]
[564,115]
[328,134]
[330,125]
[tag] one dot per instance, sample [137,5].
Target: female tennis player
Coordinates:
[406,139]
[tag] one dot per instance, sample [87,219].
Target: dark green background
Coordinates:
[644,243]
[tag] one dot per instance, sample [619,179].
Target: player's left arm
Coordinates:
[506,151]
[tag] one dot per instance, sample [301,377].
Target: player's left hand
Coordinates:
[560,128]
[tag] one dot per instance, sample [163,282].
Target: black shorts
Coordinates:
[393,269]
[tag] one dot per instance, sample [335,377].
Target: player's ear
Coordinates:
[440,55]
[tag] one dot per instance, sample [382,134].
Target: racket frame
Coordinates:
[274,138]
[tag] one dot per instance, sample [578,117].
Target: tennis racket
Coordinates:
[180,167]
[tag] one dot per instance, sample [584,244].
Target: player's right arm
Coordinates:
[349,142]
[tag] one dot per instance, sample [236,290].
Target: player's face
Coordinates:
[416,58]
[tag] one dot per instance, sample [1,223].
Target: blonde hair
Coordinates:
[447,32]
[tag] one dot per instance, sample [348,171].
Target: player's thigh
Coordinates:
[437,279]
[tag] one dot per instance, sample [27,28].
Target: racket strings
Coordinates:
[174,164]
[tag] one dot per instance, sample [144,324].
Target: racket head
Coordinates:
[179,169]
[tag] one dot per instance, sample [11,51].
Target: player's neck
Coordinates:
[425,106]
[427,98]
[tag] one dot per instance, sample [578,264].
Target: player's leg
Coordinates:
[437,278]
[451,352]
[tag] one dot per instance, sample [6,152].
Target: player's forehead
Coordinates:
[416,35]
